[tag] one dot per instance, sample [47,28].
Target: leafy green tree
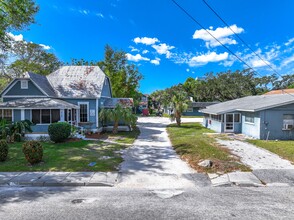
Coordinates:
[34,58]
[15,15]
[125,78]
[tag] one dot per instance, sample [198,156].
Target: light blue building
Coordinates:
[73,94]
[195,107]
[262,117]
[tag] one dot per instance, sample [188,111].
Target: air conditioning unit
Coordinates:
[289,126]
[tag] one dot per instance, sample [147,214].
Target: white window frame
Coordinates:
[239,118]
[248,122]
[88,111]
[287,122]
[24,84]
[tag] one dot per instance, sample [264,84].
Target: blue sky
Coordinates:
[167,46]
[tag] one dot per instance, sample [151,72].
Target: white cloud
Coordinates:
[188,70]
[136,58]
[46,47]
[222,34]
[156,61]
[84,12]
[133,49]
[146,40]
[258,63]
[290,41]
[163,49]
[15,37]
[288,60]
[145,51]
[100,15]
[206,58]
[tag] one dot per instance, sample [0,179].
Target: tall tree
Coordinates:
[31,57]
[15,15]
[125,78]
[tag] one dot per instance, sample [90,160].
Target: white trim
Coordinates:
[97,113]
[61,115]
[9,85]
[22,114]
[88,110]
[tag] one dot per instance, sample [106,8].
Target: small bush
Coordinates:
[33,151]
[59,131]
[3,150]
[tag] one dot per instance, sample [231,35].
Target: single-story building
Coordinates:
[261,117]
[72,94]
[194,107]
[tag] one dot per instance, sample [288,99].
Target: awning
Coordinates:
[37,103]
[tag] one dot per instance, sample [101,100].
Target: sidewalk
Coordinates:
[58,178]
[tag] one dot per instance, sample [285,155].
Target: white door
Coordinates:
[229,122]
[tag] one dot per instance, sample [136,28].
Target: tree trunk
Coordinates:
[115,127]
[178,118]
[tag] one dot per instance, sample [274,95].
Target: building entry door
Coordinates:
[229,123]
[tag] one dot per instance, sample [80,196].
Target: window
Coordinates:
[24,84]
[237,118]
[36,116]
[249,118]
[288,121]
[45,116]
[55,115]
[189,109]
[216,117]
[6,114]
[83,112]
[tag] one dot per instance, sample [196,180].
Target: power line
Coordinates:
[237,35]
[228,49]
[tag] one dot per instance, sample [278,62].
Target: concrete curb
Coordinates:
[58,179]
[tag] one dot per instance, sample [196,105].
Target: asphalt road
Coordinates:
[114,203]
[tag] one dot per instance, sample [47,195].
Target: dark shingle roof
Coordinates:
[42,82]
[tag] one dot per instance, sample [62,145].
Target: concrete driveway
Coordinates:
[153,163]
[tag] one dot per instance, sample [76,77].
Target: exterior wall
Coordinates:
[92,106]
[28,114]
[40,128]
[32,90]
[251,129]
[217,126]
[272,123]
[194,113]
[106,91]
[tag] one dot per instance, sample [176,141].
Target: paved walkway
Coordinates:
[255,157]
[153,163]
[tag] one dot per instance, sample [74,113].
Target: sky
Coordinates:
[165,44]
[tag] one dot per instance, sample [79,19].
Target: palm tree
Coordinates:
[180,104]
[118,114]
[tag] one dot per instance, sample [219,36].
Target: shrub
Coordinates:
[59,131]
[3,150]
[33,151]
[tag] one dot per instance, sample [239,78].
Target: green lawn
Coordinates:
[192,145]
[125,137]
[69,156]
[283,148]
[187,116]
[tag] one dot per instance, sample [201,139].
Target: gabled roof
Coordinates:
[281,91]
[250,104]
[38,103]
[77,81]
[42,82]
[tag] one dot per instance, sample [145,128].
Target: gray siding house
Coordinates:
[73,94]
[195,107]
[262,117]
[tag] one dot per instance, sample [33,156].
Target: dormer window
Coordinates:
[24,84]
